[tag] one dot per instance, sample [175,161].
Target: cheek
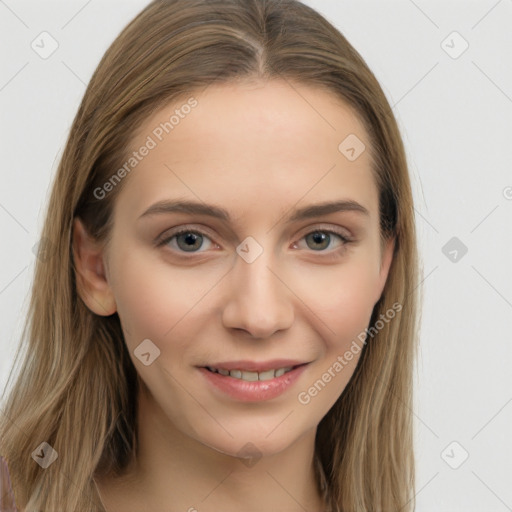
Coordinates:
[350,309]
[343,311]
[159,304]
[155,300]
[341,299]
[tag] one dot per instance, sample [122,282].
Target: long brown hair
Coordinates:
[76,386]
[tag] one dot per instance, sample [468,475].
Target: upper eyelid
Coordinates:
[170,233]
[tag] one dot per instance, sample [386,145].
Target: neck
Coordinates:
[172,467]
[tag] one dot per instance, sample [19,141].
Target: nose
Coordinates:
[258,300]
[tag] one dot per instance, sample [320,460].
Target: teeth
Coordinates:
[269,374]
[251,376]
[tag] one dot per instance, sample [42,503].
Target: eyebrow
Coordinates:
[297,214]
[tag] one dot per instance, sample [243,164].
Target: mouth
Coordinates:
[247,381]
[253,376]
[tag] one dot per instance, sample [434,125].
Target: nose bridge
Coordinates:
[259,302]
[256,278]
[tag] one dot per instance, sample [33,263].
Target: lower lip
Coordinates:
[255,391]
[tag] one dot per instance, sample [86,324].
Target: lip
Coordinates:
[255,391]
[254,366]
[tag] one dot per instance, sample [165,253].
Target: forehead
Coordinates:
[277,141]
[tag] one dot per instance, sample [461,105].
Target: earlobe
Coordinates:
[91,279]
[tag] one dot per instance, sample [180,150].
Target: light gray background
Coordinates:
[456,119]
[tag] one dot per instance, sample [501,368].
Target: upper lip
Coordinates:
[254,366]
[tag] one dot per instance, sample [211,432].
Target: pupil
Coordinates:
[190,238]
[319,237]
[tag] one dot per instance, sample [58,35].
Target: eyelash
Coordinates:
[181,231]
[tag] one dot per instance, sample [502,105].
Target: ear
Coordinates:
[91,279]
[385,264]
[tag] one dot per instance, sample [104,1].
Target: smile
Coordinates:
[251,385]
[251,376]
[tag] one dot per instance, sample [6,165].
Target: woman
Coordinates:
[226,314]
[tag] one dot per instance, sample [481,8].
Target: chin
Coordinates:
[252,445]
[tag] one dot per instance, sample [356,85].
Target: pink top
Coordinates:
[7,503]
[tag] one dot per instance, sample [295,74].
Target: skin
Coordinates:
[259,150]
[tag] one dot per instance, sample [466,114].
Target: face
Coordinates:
[248,275]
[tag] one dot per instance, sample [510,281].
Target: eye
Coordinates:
[321,239]
[186,240]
